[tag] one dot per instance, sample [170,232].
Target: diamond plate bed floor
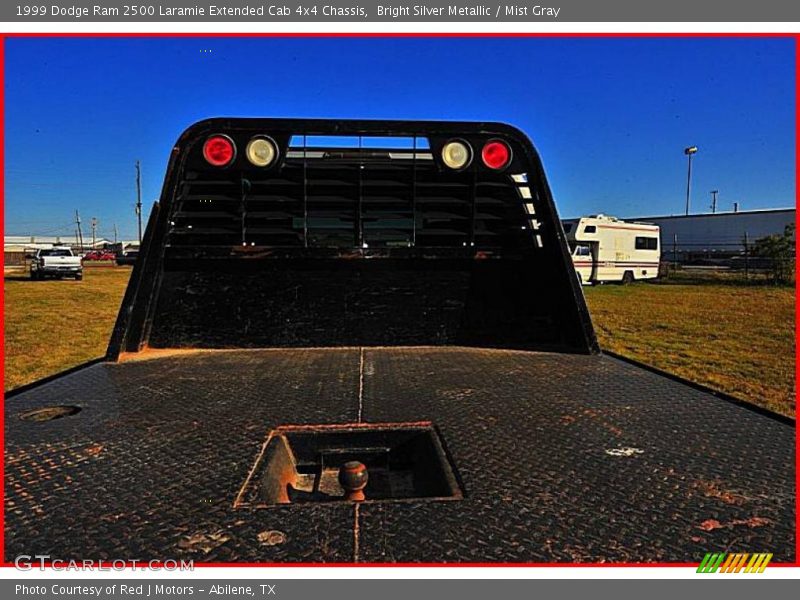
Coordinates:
[561,457]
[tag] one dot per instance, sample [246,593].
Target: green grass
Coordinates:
[738,339]
[53,325]
[735,338]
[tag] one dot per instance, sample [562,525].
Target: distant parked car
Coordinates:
[127,257]
[99,255]
[56,262]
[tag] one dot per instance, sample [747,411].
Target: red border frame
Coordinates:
[795,36]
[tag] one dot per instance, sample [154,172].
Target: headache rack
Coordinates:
[359,198]
[354,233]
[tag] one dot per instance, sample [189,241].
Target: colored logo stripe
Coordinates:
[761,562]
[711,562]
[734,563]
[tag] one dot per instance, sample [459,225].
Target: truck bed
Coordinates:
[561,457]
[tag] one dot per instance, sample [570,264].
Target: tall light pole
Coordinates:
[714,201]
[690,151]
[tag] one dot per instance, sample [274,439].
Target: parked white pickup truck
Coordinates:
[56,262]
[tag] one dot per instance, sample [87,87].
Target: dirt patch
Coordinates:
[712,524]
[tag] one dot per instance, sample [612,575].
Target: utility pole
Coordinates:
[674,249]
[139,199]
[746,257]
[690,151]
[714,201]
[94,230]
[115,234]
[80,233]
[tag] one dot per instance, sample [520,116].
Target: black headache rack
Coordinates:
[357,234]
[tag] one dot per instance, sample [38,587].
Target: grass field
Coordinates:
[53,325]
[735,338]
[738,339]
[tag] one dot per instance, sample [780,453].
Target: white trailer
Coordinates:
[605,249]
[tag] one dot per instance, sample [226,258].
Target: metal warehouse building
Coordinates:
[719,235]
[17,247]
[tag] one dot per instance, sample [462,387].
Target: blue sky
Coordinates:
[610,117]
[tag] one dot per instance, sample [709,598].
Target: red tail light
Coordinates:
[219,150]
[496,155]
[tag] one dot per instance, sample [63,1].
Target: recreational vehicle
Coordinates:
[605,248]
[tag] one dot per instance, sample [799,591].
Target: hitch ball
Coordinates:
[353,478]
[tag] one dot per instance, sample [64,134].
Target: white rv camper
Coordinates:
[605,248]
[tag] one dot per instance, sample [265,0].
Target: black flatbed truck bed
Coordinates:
[151,466]
[563,454]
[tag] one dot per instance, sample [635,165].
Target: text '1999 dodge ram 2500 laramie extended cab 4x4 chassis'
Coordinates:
[364,341]
[56,262]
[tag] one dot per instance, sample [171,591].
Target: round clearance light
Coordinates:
[261,151]
[456,155]
[496,155]
[219,150]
